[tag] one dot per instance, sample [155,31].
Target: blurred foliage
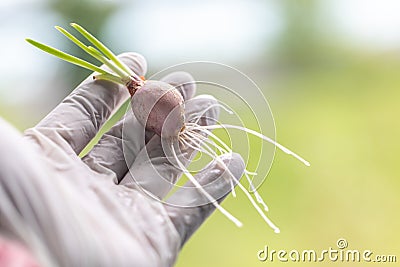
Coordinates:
[301,41]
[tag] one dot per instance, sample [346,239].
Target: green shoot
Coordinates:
[109,77]
[95,53]
[69,58]
[107,52]
[118,72]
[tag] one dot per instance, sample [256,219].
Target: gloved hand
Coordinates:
[70,211]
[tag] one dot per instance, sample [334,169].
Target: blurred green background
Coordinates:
[329,69]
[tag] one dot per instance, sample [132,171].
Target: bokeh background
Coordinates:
[329,69]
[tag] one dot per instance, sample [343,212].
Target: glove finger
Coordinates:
[77,119]
[118,148]
[183,210]
[182,81]
[152,170]
[65,220]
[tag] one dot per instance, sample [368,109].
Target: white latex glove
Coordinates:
[74,212]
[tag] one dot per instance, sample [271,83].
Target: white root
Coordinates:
[197,116]
[246,172]
[266,219]
[209,151]
[204,192]
[254,190]
[209,133]
[284,149]
[201,138]
[232,188]
[193,137]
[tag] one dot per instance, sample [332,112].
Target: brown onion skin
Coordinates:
[160,108]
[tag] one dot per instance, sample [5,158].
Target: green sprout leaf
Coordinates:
[95,53]
[69,58]
[107,52]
